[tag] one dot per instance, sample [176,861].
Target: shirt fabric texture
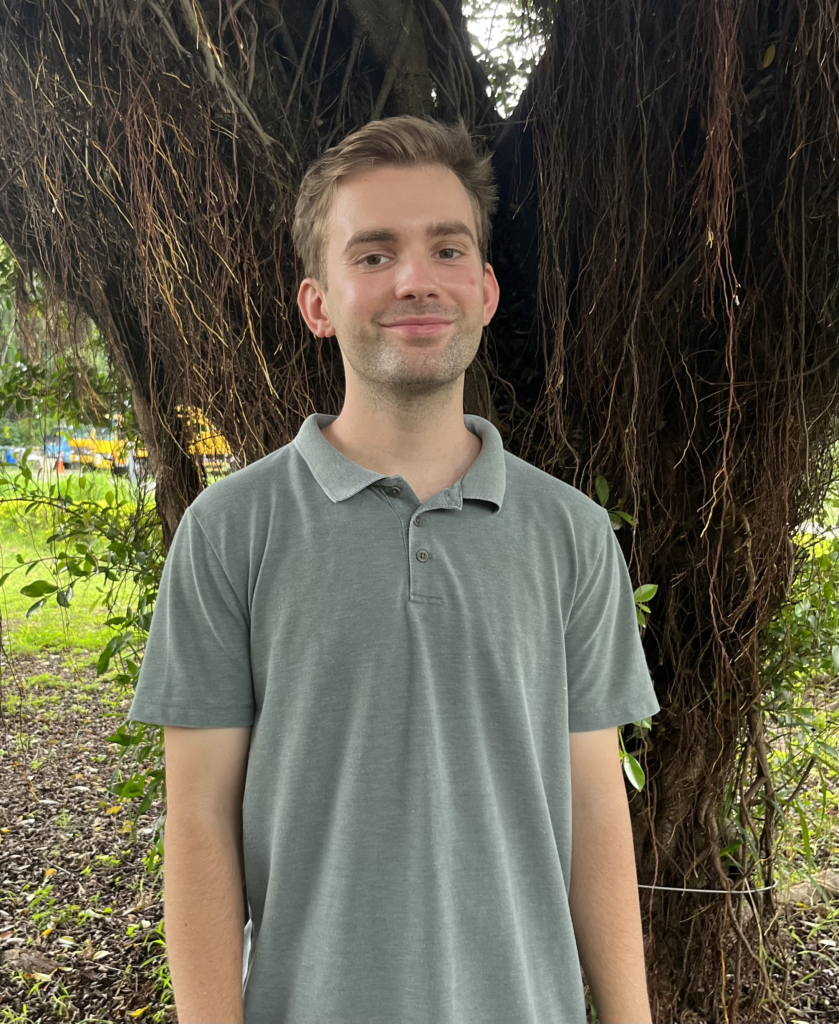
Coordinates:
[411,671]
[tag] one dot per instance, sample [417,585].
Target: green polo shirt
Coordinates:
[411,671]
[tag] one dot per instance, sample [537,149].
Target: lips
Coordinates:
[419,320]
[420,326]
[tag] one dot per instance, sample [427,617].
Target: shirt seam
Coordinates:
[221,564]
[590,578]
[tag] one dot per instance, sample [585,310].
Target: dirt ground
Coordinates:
[79,917]
[80,920]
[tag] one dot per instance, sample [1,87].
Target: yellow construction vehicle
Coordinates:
[83,450]
[206,444]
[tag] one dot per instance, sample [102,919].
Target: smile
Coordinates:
[420,329]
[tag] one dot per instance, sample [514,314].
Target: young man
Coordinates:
[390,659]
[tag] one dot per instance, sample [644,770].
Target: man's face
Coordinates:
[374,280]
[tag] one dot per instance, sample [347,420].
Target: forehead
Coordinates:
[400,198]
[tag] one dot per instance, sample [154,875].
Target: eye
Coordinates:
[369,256]
[457,252]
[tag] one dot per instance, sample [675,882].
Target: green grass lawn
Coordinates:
[25,529]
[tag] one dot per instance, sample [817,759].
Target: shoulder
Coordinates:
[235,512]
[558,504]
[234,494]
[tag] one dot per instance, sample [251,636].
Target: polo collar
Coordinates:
[341,478]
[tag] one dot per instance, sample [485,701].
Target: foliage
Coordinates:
[43,391]
[800,663]
[116,541]
[618,517]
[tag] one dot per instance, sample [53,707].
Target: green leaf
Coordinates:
[104,658]
[645,592]
[36,606]
[123,738]
[731,847]
[64,597]
[602,489]
[805,835]
[130,789]
[115,644]
[38,589]
[633,771]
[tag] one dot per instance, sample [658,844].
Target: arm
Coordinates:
[604,887]
[204,899]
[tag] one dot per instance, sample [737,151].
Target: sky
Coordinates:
[489,22]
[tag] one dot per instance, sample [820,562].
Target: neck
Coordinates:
[431,453]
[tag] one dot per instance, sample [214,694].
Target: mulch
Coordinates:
[80,916]
[79,912]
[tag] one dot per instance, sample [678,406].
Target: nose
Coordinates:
[416,278]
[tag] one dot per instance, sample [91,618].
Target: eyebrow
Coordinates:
[446,227]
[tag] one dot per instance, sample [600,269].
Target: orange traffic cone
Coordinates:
[59,466]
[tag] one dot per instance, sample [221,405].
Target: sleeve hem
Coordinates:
[605,718]
[232,716]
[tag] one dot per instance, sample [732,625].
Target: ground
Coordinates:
[74,891]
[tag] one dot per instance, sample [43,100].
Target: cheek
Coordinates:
[360,294]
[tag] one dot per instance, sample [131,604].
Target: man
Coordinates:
[390,659]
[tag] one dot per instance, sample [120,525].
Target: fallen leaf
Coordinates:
[30,960]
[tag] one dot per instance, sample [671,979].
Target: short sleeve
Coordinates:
[609,683]
[196,669]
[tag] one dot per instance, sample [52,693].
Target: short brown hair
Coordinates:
[404,141]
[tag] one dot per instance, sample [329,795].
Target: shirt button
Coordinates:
[418,521]
[394,491]
[422,555]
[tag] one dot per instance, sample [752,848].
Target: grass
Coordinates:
[51,628]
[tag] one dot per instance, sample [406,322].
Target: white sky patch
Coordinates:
[495,31]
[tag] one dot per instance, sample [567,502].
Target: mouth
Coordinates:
[418,327]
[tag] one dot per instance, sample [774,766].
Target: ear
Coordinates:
[491,293]
[312,303]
